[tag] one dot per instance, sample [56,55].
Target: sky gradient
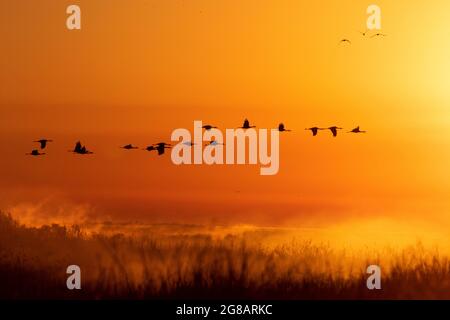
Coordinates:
[139,69]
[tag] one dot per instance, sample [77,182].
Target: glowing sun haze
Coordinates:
[139,69]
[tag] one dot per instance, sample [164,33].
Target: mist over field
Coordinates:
[128,261]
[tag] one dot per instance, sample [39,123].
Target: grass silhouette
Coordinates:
[33,264]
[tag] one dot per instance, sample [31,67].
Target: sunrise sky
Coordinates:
[139,69]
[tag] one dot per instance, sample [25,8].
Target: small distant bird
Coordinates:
[162,144]
[129,147]
[345,41]
[150,148]
[35,153]
[214,143]
[314,130]
[208,127]
[160,147]
[43,142]
[189,143]
[379,35]
[365,33]
[80,149]
[357,130]
[246,125]
[334,130]
[281,128]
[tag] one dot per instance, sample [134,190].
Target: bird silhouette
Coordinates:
[345,41]
[150,148]
[281,128]
[160,147]
[129,147]
[189,143]
[208,127]
[162,144]
[246,125]
[334,130]
[214,143]
[357,130]
[35,153]
[314,130]
[43,142]
[80,149]
[364,33]
[379,35]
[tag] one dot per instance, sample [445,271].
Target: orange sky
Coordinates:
[139,69]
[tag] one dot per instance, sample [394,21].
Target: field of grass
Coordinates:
[157,264]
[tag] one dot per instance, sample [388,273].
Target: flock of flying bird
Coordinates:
[161,146]
[364,34]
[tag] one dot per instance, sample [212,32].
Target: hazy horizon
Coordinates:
[135,72]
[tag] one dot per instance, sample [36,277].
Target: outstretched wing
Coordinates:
[78,147]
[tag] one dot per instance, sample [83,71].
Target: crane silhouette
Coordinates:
[43,142]
[80,149]
[357,130]
[208,127]
[345,41]
[214,143]
[314,130]
[129,147]
[160,147]
[334,130]
[35,153]
[364,33]
[281,128]
[246,125]
[150,148]
[379,35]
